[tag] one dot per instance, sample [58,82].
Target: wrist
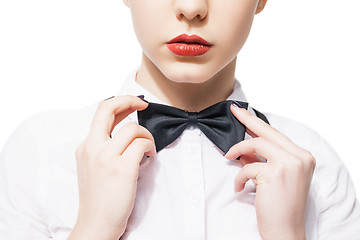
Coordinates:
[285,234]
[92,231]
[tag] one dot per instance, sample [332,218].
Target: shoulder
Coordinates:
[328,164]
[290,127]
[303,136]
[47,136]
[57,125]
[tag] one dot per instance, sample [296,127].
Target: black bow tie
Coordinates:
[167,123]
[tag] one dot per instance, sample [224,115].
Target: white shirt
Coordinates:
[184,192]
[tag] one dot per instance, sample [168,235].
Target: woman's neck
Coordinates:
[192,97]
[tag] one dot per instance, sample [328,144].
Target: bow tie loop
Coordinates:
[192,118]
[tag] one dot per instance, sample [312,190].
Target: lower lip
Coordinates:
[184,49]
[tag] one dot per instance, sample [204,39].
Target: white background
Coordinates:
[302,61]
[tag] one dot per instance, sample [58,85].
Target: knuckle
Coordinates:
[102,104]
[298,164]
[309,159]
[260,140]
[313,163]
[307,155]
[82,150]
[245,169]
[279,170]
[126,100]
[79,150]
[85,150]
[257,140]
[132,127]
[140,142]
[144,144]
[108,104]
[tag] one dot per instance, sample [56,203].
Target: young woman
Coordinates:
[85,174]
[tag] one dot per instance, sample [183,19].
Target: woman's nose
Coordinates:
[191,9]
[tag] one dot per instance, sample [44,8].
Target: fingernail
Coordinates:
[109,98]
[142,98]
[236,104]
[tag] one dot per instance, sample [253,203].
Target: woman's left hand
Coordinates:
[282,183]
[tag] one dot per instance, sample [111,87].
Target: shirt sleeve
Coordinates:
[20,208]
[340,212]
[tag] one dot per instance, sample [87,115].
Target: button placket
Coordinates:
[194,211]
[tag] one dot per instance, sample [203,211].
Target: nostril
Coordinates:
[180,16]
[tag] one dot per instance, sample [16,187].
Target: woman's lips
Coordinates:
[184,45]
[188,49]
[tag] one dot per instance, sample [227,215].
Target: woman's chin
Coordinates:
[188,74]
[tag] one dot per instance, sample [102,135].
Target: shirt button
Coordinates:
[192,128]
[195,197]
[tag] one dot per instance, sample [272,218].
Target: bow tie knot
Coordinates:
[192,118]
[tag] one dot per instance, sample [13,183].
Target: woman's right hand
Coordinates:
[108,169]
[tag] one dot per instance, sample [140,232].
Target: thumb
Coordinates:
[249,171]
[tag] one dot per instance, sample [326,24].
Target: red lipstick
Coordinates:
[185,45]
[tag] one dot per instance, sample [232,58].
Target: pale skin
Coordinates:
[108,168]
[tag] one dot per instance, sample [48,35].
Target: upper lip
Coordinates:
[184,38]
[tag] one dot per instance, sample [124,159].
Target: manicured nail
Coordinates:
[236,104]
[109,98]
[142,98]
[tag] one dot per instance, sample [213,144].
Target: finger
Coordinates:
[253,123]
[136,150]
[253,135]
[263,147]
[125,136]
[259,128]
[118,107]
[249,171]
[249,158]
